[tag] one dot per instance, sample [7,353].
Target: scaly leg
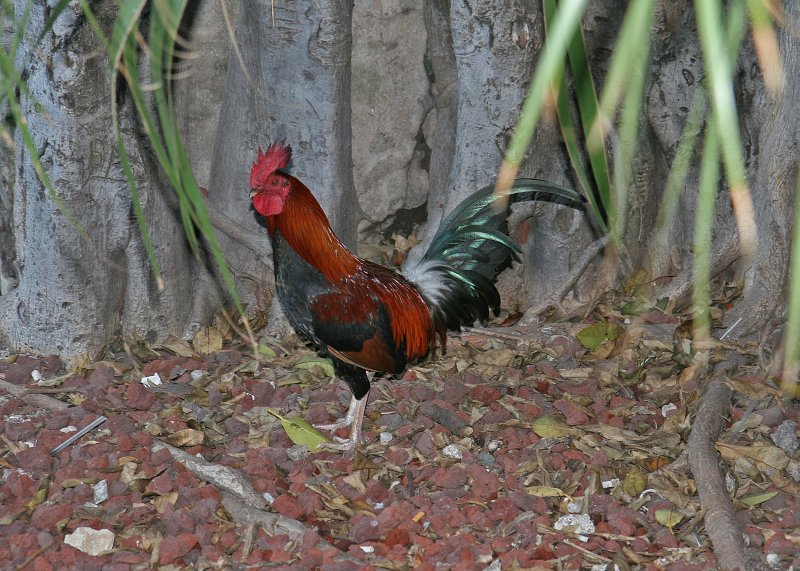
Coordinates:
[347,420]
[354,417]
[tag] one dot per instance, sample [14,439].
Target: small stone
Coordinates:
[486,459]
[91,541]
[453,451]
[785,437]
[100,491]
[385,437]
[297,453]
[576,523]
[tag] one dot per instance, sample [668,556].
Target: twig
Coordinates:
[39,401]
[720,517]
[580,266]
[34,555]
[78,435]
[242,502]
[487,332]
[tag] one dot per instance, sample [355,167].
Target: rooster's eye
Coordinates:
[275,180]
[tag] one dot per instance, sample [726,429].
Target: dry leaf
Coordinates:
[178,346]
[552,427]
[208,340]
[767,458]
[546,492]
[187,437]
[669,518]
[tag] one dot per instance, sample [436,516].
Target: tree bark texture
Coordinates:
[293,83]
[75,291]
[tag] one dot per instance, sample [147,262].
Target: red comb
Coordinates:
[277,156]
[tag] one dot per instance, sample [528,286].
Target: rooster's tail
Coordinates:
[456,274]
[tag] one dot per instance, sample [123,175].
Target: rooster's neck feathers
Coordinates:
[304,226]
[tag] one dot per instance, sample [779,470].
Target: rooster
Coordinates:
[367,317]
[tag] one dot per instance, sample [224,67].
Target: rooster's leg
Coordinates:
[355,417]
[347,420]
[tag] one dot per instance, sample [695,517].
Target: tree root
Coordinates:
[720,518]
[554,299]
[244,504]
[256,242]
[33,399]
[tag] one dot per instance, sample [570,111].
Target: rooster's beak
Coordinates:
[253,193]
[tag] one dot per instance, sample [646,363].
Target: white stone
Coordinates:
[91,541]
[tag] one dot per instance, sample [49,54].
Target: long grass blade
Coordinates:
[550,62]
[791,341]
[719,70]
[568,131]
[703,234]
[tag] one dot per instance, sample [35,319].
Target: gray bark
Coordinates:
[772,129]
[482,55]
[294,84]
[390,93]
[75,291]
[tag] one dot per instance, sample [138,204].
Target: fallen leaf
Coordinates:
[760,498]
[266,350]
[178,346]
[552,427]
[300,431]
[307,363]
[208,340]
[768,458]
[546,492]
[596,334]
[669,518]
[635,482]
[186,438]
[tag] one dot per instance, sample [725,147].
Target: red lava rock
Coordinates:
[36,459]
[621,524]
[139,397]
[485,484]
[424,443]
[126,443]
[161,484]
[46,516]
[502,510]
[665,538]
[143,438]
[102,376]
[364,528]
[572,414]
[288,505]
[309,501]
[19,373]
[451,477]
[18,431]
[780,545]
[176,546]
[161,457]
[397,536]
[485,394]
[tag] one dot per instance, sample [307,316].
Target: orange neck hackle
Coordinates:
[303,224]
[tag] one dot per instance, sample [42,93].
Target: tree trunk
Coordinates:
[482,55]
[293,83]
[76,291]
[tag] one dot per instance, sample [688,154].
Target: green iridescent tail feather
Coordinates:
[456,274]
